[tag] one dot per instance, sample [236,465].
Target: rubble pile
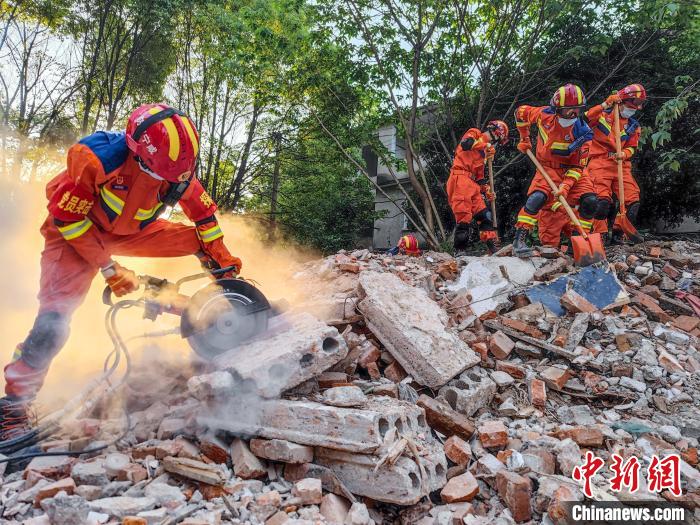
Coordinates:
[427,390]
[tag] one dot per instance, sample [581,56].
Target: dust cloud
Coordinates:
[22,211]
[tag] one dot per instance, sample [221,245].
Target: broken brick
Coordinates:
[458,450]
[514,491]
[309,491]
[281,450]
[493,434]
[369,355]
[500,345]
[332,379]
[686,323]
[651,307]
[556,377]
[671,271]
[521,326]
[245,464]
[655,251]
[482,350]
[373,371]
[583,436]
[512,369]
[444,419]
[48,491]
[576,303]
[622,342]
[538,393]
[395,372]
[460,488]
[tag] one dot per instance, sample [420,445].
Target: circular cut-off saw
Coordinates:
[214,320]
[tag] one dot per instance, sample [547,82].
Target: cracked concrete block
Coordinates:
[469,393]
[412,328]
[399,483]
[368,430]
[296,349]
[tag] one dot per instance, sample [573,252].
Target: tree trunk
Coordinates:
[235,188]
[277,137]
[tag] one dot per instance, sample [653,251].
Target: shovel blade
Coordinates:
[623,222]
[588,251]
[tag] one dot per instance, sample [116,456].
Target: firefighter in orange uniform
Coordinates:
[562,149]
[602,167]
[467,186]
[107,202]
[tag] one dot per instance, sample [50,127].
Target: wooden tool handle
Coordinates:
[618,148]
[493,191]
[555,189]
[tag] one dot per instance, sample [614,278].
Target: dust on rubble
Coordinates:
[386,396]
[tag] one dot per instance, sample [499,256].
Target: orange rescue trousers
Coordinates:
[65,281]
[603,172]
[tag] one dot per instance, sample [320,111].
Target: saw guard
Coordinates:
[223,315]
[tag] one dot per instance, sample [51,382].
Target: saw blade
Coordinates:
[222,316]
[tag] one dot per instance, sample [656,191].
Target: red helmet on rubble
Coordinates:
[165,140]
[408,244]
[499,130]
[633,95]
[568,96]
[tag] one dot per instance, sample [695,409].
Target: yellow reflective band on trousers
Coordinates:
[211,234]
[526,219]
[573,174]
[111,200]
[75,229]
[586,225]
[142,215]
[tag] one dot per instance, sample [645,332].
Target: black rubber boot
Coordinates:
[15,419]
[520,247]
[491,246]
[617,238]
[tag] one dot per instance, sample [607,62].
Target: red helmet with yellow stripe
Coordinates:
[568,96]
[633,95]
[499,130]
[408,244]
[165,140]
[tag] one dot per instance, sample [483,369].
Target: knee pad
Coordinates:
[462,235]
[484,220]
[45,339]
[633,211]
[603,209]
[535,201]
[588,205]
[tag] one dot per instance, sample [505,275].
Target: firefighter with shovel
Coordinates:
[559,182]
[615,137]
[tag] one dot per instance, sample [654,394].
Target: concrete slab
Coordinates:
[401,483]
[412,328]
[484,281]
[371,429]
[298,348]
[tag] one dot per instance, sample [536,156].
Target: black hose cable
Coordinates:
[45,430]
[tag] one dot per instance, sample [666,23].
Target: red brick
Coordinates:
[538,393]
[622,370]
[133,472]
[514,491]
[583,436]
[655,251]
[512,369]
[482,350]
[503,455]
[442,418]
[576,303]
[50,490]
[369,355]
[622,341]
[651,291]
[373,371]
[686,323]
[561,337]
[690,456]
[332,379]
[395,372]
[557,509]
[556,377]
[671,271]
[500,345]
[521,326]
[349,267]
[632,260]
[651,307]
[134,520]
[493,434]
[669,362]
[460,488]
[214,449]
[458,450]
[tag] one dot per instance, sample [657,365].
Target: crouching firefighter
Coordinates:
[467,187]
[602,167]
[107,202]
[563,140]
